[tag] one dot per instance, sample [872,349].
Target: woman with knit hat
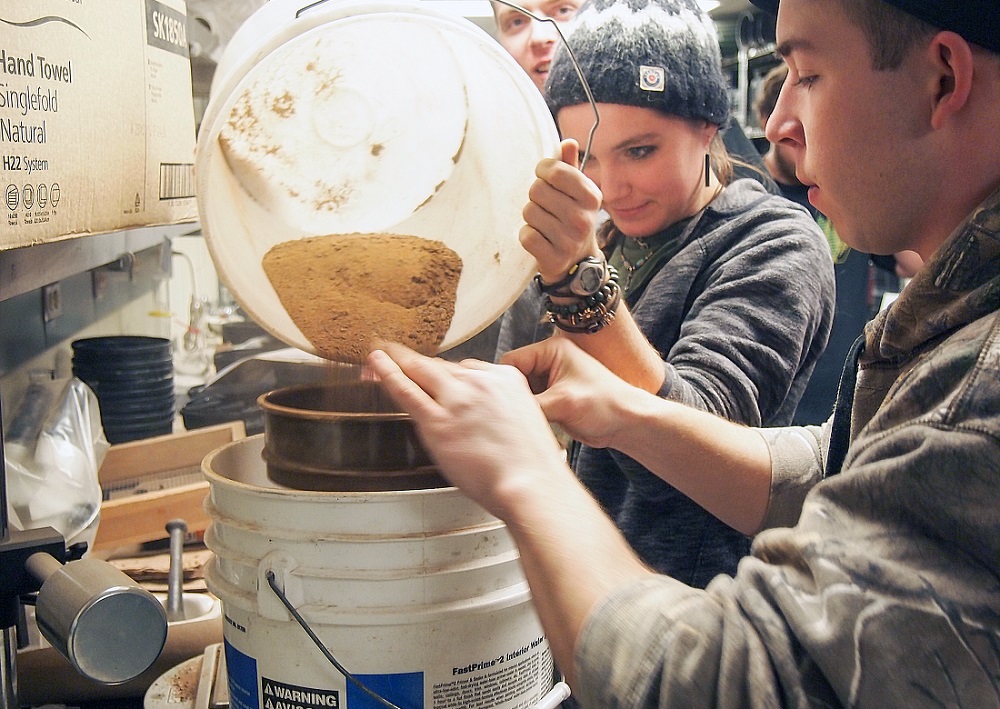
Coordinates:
[706,291]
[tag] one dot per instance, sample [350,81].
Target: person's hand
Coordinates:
[479,421]
[561,216]
[575,390]
[908,263]
[483,428]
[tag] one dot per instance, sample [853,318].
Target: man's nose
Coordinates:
[543,32]
[783,125]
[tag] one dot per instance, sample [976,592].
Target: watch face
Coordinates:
[589,278]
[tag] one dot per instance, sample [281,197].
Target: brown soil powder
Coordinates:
[347,292]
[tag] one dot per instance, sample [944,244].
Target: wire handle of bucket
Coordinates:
[302,10]
[273,583]
[576,66]
[569,51]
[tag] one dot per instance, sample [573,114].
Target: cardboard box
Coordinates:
[96,118]
[159,479]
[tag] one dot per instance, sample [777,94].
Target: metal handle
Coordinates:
[177,528]
[576,66]
[556,696]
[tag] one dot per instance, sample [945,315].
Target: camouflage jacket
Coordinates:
[886,591]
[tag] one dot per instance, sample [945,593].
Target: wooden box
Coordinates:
[149,482]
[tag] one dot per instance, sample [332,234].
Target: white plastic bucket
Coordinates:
[419,594]
[432,130]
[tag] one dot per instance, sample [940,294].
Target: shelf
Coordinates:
[31,267]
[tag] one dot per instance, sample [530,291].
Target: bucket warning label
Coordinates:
[277,695]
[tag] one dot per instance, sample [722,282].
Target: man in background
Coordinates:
[533,43]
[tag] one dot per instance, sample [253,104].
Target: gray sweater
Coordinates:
[740,314]
[886,592]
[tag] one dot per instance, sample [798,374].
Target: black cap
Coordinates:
[976,20]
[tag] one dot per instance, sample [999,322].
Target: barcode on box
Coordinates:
[176,180]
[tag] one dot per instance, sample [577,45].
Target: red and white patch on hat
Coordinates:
[652,78]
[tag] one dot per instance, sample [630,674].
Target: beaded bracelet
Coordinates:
[588,314]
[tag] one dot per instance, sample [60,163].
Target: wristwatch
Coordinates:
[583,279]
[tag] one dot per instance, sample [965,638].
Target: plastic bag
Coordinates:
[53,448]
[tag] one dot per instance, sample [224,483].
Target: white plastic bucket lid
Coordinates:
[433,131]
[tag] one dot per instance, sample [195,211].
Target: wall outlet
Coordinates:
[51,302]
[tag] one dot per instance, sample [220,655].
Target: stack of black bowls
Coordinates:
[133,378]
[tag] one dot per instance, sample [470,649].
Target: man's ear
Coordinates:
[953,64]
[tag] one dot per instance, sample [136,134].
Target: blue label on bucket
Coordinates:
[242,672]
[404,689]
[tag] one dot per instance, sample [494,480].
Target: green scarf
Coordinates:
[637,260]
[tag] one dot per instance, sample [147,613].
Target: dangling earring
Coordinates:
[708,170]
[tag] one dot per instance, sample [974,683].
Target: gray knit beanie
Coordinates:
[660,54]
